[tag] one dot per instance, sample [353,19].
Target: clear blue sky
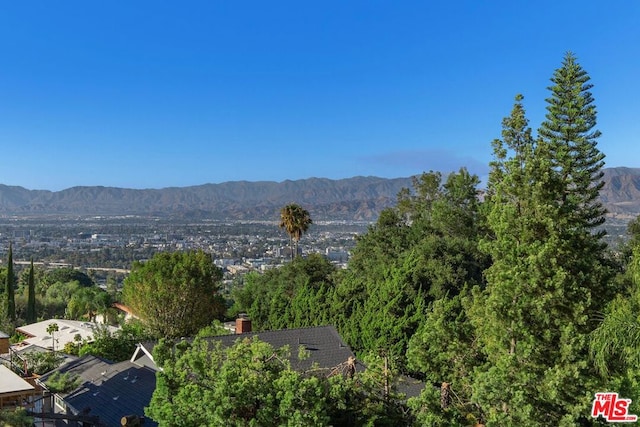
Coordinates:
[152,94]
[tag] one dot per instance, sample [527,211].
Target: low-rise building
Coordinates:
[16,391]
[43,335]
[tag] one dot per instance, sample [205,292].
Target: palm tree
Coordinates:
[89,302]
[296,221]
[52,328]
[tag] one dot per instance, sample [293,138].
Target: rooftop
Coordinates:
[10,382]
[324,345]
[109,390]
[67,330]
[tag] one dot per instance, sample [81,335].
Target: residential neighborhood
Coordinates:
[104,393]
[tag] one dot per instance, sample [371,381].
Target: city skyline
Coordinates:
[149,95]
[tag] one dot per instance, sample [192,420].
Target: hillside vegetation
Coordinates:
[513,309]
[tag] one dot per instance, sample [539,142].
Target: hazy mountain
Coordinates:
[621,192]
[358,198]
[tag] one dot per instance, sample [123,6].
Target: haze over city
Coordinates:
[150,95]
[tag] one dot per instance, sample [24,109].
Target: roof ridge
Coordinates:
[289,329]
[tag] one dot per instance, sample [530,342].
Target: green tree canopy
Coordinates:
[248,384]
[116,346]
[550,273]
[175,294]
[297,294]
[251,383]
[88,302]
[65,275]
[424,249]
[15,418]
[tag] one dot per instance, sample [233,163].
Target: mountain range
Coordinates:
[357,198]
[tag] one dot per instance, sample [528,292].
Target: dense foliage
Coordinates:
[10,287]
[114,346]
[252,384]
[175,294]
[15,418]
[497,299]
[299,294]
[41,293]
[31,315]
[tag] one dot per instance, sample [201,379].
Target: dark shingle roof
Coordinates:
[323,344]
[408,386]
[110,390]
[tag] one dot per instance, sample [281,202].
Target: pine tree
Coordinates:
[549,274]
[10,287]
[571,141]
[568,143]
[31,298]
[508,317]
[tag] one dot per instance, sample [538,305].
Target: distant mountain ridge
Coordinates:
[357,198]
[621,192]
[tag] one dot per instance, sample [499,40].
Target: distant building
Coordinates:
[225,262]
[237,269]
[336,254]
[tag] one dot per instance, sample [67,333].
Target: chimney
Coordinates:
[243,324]
[4,342]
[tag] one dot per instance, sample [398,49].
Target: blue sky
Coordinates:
[148,94]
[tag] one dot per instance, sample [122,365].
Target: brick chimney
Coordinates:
[243,324]
[4,342]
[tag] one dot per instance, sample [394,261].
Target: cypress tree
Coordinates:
[31,301]
[10,286]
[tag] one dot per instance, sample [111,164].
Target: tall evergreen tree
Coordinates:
[31,297]
[570,139]
[549,274]
[10,286]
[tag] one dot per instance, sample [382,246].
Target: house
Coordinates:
[114,392]
[125,310]
[67,330]
[106,392]
[324,346]
[16,391]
